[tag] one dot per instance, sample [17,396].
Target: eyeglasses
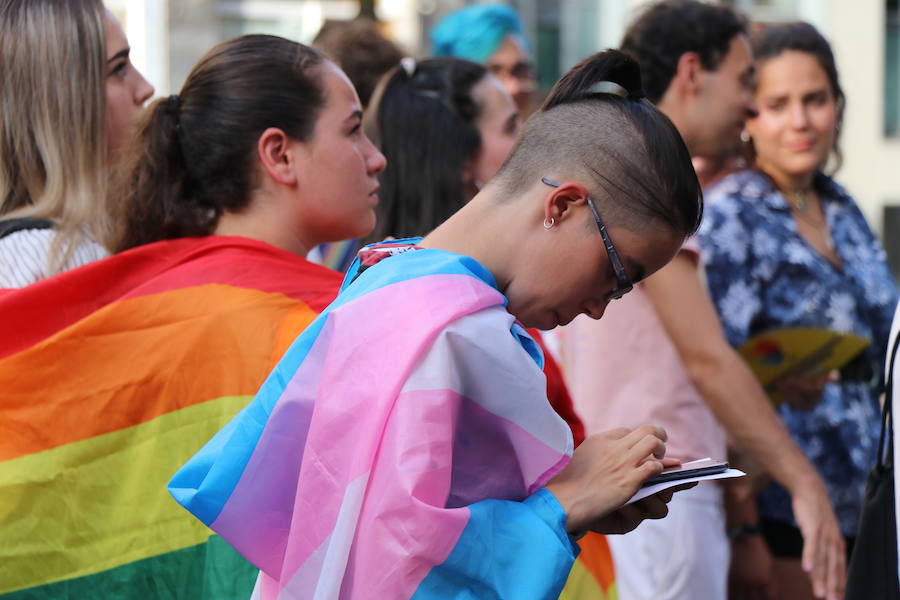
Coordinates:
[623,281]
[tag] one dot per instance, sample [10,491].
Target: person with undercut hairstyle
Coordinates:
[404,446]
[696,62]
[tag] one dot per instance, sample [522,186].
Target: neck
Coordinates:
[261,220]
[672,107]
[788,183]
[472,231]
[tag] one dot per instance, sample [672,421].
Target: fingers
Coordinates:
[680,488]
[615,434]
[837,570]
[644,441]
[825,561]
[814,561]
[652,507]
[671,462]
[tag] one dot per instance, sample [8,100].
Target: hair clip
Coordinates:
[608,87]
[408,63]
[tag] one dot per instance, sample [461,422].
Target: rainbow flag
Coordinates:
[398,450]
[112,376]
[593,575]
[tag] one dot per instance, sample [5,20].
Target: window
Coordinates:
[892,69]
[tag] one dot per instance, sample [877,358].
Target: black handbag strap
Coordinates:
[887,458]
[9,226]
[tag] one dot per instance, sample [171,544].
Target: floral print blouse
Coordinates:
[763,275]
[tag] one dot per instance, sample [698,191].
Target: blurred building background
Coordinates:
[168,36]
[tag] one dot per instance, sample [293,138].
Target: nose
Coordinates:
[750,106]
[512,84]
[142,89]
[799,118]
[375,160]
[595,308]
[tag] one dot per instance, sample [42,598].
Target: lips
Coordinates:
[800,146]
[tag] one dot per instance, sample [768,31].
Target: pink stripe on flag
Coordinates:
[362,369]
[436,438]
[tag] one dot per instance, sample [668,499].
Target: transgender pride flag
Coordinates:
[398,450]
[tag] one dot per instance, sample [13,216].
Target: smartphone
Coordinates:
[706,466]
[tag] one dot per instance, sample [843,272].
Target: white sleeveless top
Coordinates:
[24,256]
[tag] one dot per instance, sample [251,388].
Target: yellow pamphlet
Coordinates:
[802,351]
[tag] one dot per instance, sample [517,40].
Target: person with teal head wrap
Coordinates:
[490,34]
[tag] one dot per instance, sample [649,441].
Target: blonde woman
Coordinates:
[69,97]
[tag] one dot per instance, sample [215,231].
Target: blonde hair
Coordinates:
[52,118]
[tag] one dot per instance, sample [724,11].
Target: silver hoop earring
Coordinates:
[745,136]
[550,224]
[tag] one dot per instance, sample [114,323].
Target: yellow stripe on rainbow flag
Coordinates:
[100,503]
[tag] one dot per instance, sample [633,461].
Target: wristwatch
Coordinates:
[744,529]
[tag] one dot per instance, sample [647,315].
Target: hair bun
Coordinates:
[609,72]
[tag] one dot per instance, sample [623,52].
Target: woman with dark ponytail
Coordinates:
[229,183]
[237,152]
[404,446]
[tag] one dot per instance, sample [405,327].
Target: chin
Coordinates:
[544,324]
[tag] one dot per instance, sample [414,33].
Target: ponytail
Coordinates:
[611,72]
[194,156]
[597,126]
[153,190]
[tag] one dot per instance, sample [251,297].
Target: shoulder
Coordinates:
[745,188]
[743,198]
[24,257]
[415,267]
[496,331]
[838,195]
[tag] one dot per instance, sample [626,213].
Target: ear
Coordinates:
[561,200]
[471,185]
[276,156]
[687,78]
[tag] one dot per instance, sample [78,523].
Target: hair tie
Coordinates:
[611,87]
[408,64]
[173,106]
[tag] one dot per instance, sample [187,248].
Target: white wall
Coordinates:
[871,169]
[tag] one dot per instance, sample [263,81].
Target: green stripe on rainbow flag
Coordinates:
[225,576]
[101,503]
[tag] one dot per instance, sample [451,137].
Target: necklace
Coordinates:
[801,200]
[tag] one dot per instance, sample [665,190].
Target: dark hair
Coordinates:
[666,30]
[360,50]
[193,156]
[772,40]
[423,119]
[596,124]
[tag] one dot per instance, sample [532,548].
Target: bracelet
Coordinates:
[742,530]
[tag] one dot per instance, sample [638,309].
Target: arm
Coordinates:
[736,399]
[751,573]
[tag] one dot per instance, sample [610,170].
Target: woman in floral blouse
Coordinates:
[784,245]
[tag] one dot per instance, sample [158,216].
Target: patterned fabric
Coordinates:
[25,256]
[361,474]
[763,275]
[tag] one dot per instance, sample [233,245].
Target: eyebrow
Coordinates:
[356,114]
[123,53]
